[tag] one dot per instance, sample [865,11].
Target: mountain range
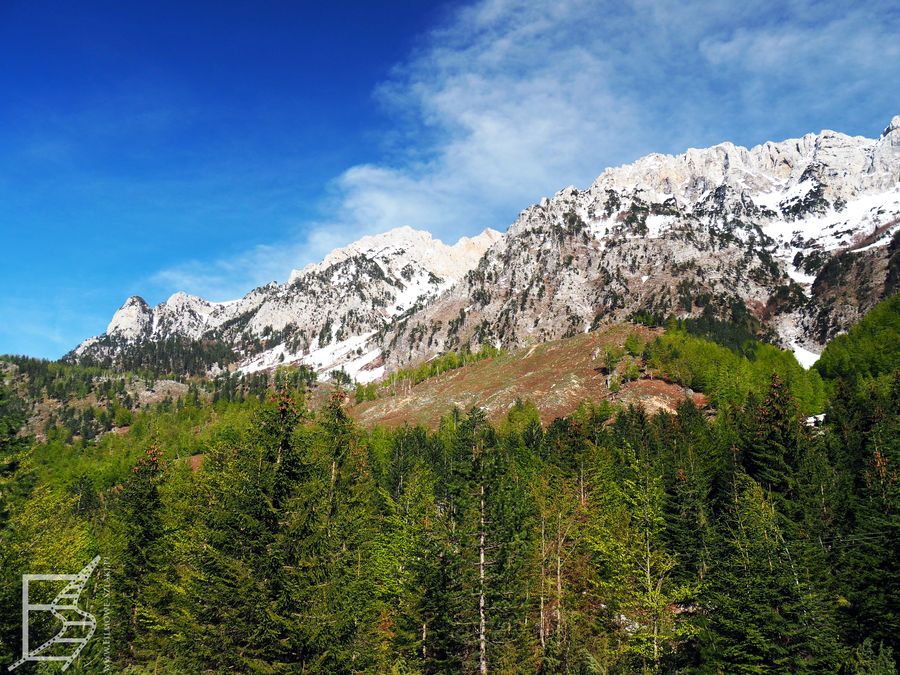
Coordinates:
[794,239]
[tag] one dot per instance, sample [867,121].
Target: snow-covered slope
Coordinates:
[322,312]
[799,235]
[725,230]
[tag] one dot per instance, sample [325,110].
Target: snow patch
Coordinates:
[350,355]
[800,277]
[271,358]
[834,230]
[657,224]
[805,357]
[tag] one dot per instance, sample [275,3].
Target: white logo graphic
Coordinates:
[78,626]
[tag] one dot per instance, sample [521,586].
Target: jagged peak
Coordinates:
[180,299]
[131,319]
[849,180]
[181,296]
[488,234]
[411,245]
[134,300]
[763,168]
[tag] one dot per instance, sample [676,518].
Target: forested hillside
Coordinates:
[262,533]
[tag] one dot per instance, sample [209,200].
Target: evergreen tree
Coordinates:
[654,597]
[773,446]
[863,438]
[329,543]
[759,617]
[141,528]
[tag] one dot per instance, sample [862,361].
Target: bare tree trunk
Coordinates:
[424,635]
[581,483]
[543,628]
[655,644]
[482,631]
[559,597]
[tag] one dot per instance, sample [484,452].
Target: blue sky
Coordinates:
[150,147]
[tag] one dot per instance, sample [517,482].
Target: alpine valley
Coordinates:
[795,240]
[650,428]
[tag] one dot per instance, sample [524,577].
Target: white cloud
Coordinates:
[854,42]
[231,277]
[511,100]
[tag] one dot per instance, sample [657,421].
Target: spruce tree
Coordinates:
[773,442]
[141,523]
[655,596]
[759,618]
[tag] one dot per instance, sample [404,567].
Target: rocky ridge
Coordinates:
[744,234]
[321,316]
[798,236]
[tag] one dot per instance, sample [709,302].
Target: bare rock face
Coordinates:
[724,229]
[133,319]
[323,316]
[795,235]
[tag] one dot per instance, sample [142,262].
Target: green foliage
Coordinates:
[729,378]
[61,380]
[634,345]
[871,348]
[293,378]
[774,439]
[341,378]
[862,441]
[632,370]
[652,591]
[760,622]
[611,357]
[868,661]
[365,392]
[441,364]
[250,533]
[739,333]
[615,384]
[174,355]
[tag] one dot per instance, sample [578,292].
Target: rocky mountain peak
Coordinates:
[132,319]
[402,246]
[708,230]
[765,234]
[355,291]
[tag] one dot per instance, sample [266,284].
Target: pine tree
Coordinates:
[759,618]
[773,446]
[654,595]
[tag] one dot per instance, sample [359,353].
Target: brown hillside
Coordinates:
[556,376]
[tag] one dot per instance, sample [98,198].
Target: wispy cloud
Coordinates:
[510,100]
[233,276]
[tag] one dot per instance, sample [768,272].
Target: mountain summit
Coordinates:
[321,316]
[797,235]
[797,238]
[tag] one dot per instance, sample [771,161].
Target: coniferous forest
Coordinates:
[269,535]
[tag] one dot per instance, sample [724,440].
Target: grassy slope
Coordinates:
[555,376]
